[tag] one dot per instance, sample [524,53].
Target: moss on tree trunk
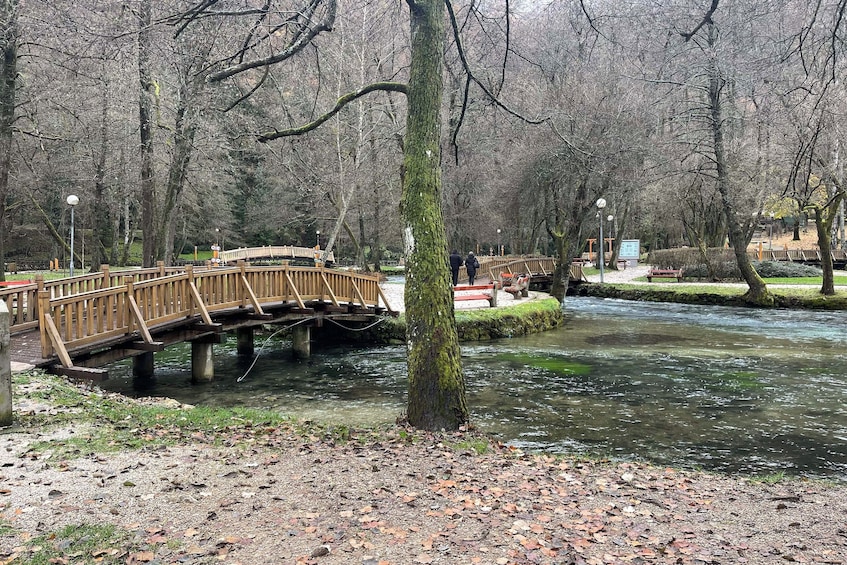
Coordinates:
[436,382]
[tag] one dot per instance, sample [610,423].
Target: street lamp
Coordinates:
[601,252]
[318,239]
[770,234]
[72,201]
[499,243]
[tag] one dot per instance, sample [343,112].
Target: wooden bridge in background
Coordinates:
[275,253]
[75,325]
[539,268]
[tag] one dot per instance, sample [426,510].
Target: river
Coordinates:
[725,389]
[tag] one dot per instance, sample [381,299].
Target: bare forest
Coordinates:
[694,121]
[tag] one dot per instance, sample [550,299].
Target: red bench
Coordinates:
[664,274]
[476,292]
[14,283]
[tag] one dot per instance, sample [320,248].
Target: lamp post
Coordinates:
[770,234]
[611,219]
[72,201]
[317,247]
[499,243]
[601,252]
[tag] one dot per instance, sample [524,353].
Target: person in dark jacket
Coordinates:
[471,264]
[455,263]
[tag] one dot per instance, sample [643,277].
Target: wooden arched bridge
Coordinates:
[75,325]
[275,253]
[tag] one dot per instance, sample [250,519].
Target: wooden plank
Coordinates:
[326,285]
[139,320]
[81,373]
[257,308]
[297,297]
[198,302]
[146,346]
[56,340]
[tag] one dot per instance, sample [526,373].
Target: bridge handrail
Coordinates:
[280,252]
[78,320]
[22,300]
[489,263]
[533,265]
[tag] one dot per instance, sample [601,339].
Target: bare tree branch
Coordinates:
[308,26]
[472,78]
[343,101]
[706,20]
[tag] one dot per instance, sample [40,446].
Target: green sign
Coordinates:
[630,249]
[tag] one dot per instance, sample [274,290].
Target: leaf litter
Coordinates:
[263,494]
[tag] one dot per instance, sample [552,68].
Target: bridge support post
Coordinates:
[142,365]
[202,361]
[5,366]
[244,340]
[301,336]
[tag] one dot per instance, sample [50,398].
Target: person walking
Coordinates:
[471,264]
[455,263]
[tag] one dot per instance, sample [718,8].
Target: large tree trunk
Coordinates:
[436,381]
[8,78]
[102,221]
[183,141]
[824,218]
[146,94]
[739,232]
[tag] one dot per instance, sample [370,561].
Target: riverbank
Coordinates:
[93,477]
[627,284]
[476,320]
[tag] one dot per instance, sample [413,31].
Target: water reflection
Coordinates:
[722,388]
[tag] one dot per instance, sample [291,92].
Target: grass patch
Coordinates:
[818,281]
[477,446]
[527,307]
[791,296]
[84,543]
[770,479]
[109,423]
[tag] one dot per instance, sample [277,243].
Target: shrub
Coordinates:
[785,269]
[722,265]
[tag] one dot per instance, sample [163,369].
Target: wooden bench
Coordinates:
[664,274]
[518,286]
[623,264]
[476,292]
[581,261]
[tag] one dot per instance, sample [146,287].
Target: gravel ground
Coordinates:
[255,495]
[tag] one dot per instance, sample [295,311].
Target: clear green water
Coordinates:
[724,389]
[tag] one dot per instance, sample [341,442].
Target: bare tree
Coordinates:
[8,81]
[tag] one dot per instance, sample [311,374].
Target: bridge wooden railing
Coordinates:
[501,264]
[273,252]
[796,255]
[534,265]
[22,300]
[69,322]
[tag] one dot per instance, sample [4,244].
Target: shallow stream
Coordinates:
[725,389]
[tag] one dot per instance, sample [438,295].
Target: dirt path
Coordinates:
[253,494]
